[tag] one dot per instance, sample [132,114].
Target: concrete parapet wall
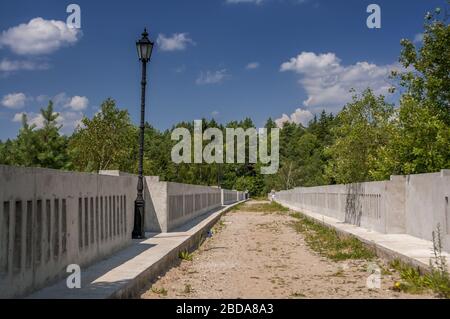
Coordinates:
[413,204]
[170,205]
[427,205]
[50,219]
[229,196]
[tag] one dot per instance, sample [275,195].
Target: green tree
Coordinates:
[24,148]
[427,78]
[364,126]
[51,147]
[107,141]
[6,152]
[420,140]
[420,143]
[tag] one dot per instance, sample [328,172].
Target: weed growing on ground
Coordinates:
[187,289]
[298,295]
[440,278]
[185,255]
[159,291]
[338,273]
[218,227]
[327,242]
[437,280]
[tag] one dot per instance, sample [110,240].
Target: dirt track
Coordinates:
[259,255]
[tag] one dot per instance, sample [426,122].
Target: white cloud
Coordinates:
[78,103]
[252,65]
[209,77]
[418,38]
[14,100]
[245,1]
[69,109]
[69,120]
[15,65]
[215,113]
[327,82]
[62,100]
[17,117]
[177,42]
[32,118]
[39,36]
[180,69]
[300,116]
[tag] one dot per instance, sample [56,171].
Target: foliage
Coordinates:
[420,140]
[107,141]
[427,76]
[51,147]
[185,255]
[364,126]
[38,147]
[419,143]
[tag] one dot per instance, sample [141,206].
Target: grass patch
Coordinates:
[235,208]
[267,207]
[411,280]
[271,207]
[259,198]
[327,242]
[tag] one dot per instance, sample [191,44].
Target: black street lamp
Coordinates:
[144,48]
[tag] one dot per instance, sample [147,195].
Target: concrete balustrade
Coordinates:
[170,205]
[50,219]
[413,204]
[228,196]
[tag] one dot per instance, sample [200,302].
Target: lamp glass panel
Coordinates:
[149,51]
[138,48]
[144,50]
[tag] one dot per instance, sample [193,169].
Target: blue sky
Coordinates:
[226,59]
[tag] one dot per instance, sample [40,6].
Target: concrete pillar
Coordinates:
[395,205]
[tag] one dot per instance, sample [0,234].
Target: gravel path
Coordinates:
[259,255]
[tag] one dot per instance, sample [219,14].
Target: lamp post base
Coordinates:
[138,229]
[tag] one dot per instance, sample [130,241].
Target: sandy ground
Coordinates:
[259,255]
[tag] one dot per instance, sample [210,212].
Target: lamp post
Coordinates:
[144,48]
